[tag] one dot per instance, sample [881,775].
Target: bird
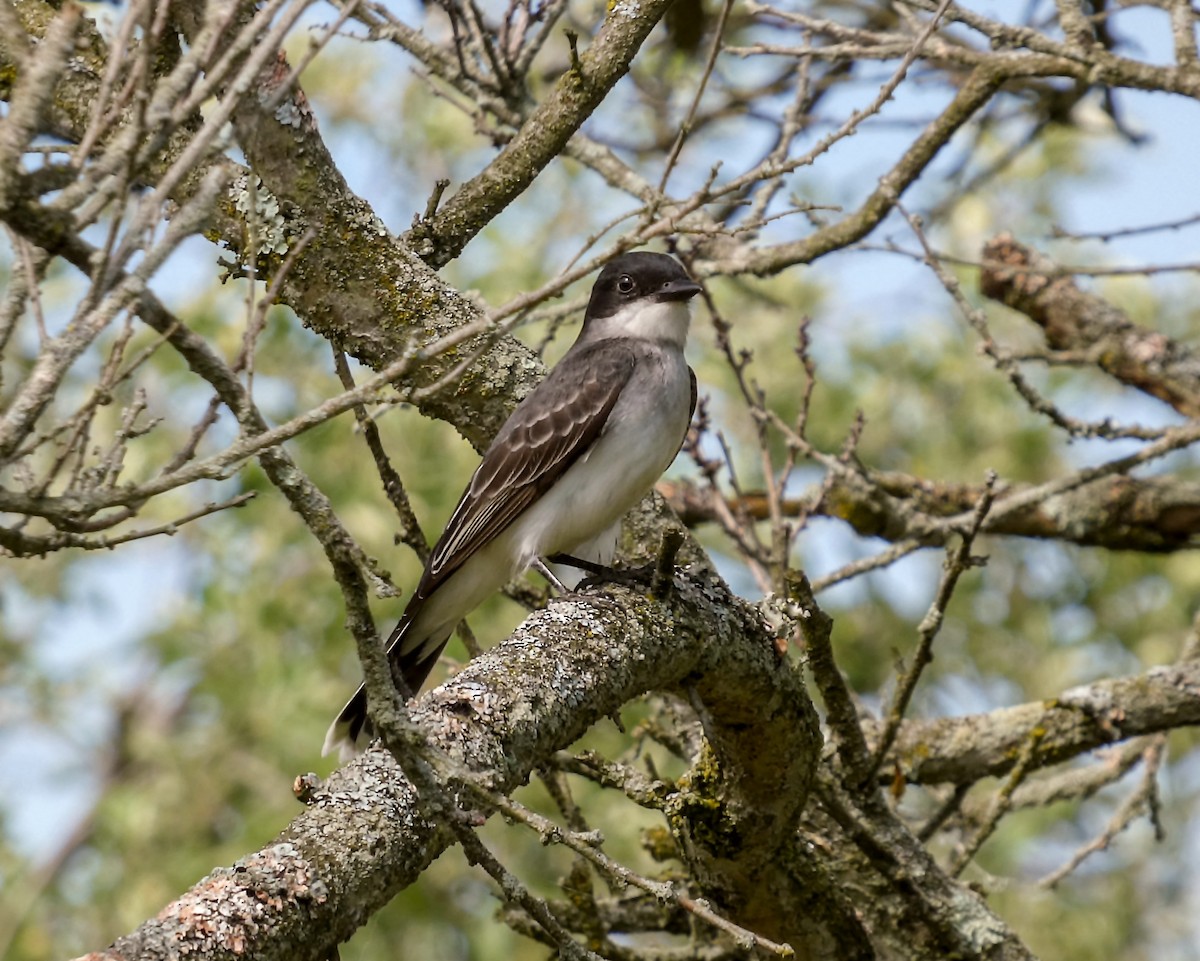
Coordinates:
[575,455]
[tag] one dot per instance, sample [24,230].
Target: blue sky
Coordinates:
[95,629]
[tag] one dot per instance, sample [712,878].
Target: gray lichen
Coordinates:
[261,210]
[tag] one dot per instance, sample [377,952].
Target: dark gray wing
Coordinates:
[550,429]
[546,434]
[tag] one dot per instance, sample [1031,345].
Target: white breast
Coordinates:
[642,437]
[580,514]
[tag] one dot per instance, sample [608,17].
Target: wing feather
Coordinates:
[551,429]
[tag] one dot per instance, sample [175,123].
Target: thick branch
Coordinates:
[961,750]
[1074,320]
[354,282]
[1119,512]
[544,134]
[1152,514]
[365,834]
[912,908]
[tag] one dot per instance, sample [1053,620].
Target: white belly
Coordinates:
[582,510]
[639,442]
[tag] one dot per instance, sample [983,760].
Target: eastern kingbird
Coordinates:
[577,453]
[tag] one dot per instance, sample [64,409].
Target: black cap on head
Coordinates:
[639,275]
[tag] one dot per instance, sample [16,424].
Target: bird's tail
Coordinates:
[411,661]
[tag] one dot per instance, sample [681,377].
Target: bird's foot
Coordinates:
[604,574]
[658,575]
[635,578]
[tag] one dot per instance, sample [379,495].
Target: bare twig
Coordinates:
[1143,800]
[957,563]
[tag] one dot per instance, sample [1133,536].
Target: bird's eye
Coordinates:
[625,284]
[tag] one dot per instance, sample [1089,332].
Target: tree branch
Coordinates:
[1151,514]
[961,750]
[542,136]
[365,834]
[1073,320]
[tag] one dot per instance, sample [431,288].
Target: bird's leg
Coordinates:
[635,577]
[660,572]
[543,568]
[591,567]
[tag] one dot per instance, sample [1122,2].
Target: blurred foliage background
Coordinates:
[157,701]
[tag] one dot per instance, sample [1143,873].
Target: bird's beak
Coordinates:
[678,290]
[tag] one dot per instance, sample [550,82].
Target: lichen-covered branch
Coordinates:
[365,834]
[961,750]
[1083,323]
[1153,514]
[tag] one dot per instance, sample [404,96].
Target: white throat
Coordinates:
[664,321]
